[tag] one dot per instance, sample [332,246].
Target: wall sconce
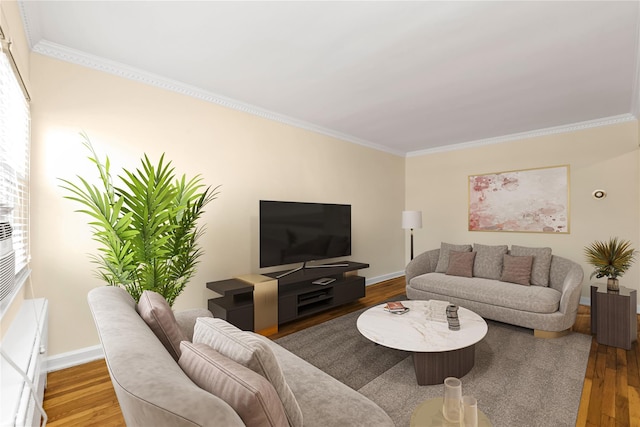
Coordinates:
[599,194]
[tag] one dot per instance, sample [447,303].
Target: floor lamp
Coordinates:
[411,220]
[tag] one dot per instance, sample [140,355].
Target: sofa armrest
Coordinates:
[571,290]
[422,264]
[187,319]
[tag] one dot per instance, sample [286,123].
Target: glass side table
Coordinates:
[429,414]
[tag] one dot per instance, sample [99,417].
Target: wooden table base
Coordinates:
[433,368]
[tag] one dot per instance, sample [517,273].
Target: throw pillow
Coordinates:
[541,263]
[443,259]
[517,269]
[251,351]
[488,262]
[157,314]
[461,263]
[249,394]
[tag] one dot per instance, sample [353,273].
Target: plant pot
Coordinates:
[613,285]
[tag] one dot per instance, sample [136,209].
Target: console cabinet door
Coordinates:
[287,308]
[349,289]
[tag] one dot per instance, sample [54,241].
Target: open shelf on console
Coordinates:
[299,299]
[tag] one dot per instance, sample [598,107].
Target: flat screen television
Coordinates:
[294,232]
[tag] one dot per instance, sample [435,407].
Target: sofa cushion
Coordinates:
[252,397]
[541,263]
[461,263]
[249,351]
[324,400]
[443,259]
[536,299]
[517,269]
[157,314]
[488,262]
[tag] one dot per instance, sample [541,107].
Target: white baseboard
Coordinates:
[378,279]
[89,354]
[74,358]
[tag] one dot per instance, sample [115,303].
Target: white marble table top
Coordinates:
[412,331]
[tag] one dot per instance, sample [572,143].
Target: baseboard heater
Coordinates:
[23,365]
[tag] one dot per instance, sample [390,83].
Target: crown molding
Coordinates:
[84,59]
[77,57]
[30,22]
[606,121]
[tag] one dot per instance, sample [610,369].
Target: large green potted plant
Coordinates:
[611,259]
[146,228]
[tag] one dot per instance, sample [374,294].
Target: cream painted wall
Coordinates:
[252,158]
[14,30]
[604,157]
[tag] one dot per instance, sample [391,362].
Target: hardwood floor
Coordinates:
[83,395]
[611,389]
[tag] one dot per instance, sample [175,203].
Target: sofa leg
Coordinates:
[549,334]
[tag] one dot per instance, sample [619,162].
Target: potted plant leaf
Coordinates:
[611,259]
[146,228]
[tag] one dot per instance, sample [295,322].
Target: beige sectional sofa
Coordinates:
[153,390]
[547,301]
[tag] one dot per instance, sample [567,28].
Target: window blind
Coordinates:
[15,123]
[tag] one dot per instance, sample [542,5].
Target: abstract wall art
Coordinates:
[530,200]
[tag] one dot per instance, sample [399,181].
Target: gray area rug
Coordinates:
[519,380]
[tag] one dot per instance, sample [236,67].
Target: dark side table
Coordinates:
[613,316]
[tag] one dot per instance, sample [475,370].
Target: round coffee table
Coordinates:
[438,352]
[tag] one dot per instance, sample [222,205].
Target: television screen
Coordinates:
[292,232]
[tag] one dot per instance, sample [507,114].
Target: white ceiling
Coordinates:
[404,77]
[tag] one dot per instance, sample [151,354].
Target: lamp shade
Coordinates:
[411,219]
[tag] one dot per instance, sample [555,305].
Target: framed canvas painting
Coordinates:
[529,200]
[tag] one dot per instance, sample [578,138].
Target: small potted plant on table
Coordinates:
[611,259]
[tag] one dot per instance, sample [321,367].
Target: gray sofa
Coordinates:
[548,310]
[153,391]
